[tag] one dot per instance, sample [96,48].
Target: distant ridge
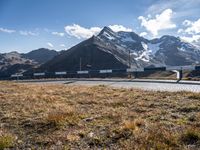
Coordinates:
[15,62]
[41,55]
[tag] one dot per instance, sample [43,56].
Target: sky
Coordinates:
[26,25]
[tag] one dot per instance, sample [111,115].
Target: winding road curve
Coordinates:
[145,84]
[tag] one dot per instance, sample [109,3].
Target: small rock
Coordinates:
[88,119]
[174,116]
[19,141]
[162,118]
[91,134]
[59,143]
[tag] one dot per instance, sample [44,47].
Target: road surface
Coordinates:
[144,84]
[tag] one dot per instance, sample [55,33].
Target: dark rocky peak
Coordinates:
[106,29]
[169,38]
[107,33]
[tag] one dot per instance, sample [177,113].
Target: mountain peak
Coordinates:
[106,30]
[13,52]
[41,55]
[164,37]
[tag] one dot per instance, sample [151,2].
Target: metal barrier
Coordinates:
[177,69]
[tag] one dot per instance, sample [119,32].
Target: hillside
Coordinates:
[14,62]
[116,50]
[41,55]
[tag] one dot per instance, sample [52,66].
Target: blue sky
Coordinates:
[59,24]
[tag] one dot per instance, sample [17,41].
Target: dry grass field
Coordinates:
[99,117]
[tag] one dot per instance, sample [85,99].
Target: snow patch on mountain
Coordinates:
[145,55]
[145,46]
[167,50]
[108,36]
[154,47]
[182,49]
[128,39]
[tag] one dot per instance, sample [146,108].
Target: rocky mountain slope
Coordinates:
[15,62]
[41,55]
[90,54]
[117,50]
[167,50]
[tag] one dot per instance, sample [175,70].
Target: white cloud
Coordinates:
[180,31]
[62,45]
[191,31]
[188,8]
[81,32]
[143,34]
[191,39]
[117,28]
[187,23]
[58,34]
[192,27]
[7,30]
[50,44]
[160,22]
[84,33]
[27,33]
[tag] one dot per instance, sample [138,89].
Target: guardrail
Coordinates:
[177,69]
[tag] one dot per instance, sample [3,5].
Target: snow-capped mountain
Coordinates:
[167,50]
[118,50]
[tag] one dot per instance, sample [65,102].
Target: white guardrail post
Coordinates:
[61,73]
[82,72]
[16,76]
[105,71]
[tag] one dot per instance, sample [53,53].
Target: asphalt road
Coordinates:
[145,84]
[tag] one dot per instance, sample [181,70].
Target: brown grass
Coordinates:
[79,117]
[6,140]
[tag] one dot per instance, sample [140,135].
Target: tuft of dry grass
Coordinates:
[38,116]
[191,137]
[6,140]
[61,116]
[134,125]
